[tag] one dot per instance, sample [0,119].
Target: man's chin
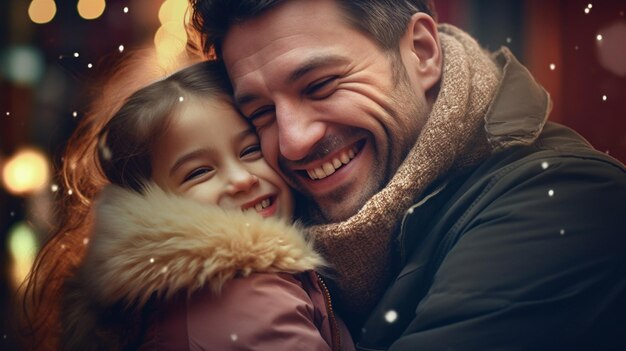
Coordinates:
[335,214]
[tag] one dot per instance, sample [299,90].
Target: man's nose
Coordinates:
[298,130]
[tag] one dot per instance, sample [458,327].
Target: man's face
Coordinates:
[332,116]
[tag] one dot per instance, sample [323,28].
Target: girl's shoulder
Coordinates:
[266,309]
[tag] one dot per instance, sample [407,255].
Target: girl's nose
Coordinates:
[241,180]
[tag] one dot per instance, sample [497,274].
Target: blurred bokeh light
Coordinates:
[90,9]
[27,172]
[42,11]
[22,65]
[23,246]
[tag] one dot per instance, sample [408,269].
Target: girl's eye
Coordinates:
[251,151]
[322,88]
[198,172]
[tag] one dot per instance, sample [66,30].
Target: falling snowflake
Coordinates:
[54,188]
[89,65]
[85,241]
[120,48]
[562,231]
[603,97]
[391,316]
[125,9]
[151,260]
[76,54]
[8,113]
[552,66]
[75,114]
[233,337]
[599,37]
[181,99]
[545,165]
[550,192]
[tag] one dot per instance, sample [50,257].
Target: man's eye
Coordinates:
[262,117]
[198,172]
[251,151]
[322,88]
[261,112]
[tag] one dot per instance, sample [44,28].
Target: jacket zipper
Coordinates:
[409,212]
[334,326]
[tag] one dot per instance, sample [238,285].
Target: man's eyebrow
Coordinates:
[303,69]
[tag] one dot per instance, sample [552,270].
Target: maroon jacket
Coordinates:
[167,273]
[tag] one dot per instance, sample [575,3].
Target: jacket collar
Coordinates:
[521,106]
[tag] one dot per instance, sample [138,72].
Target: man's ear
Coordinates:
[421,52]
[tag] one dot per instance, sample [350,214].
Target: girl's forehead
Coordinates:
[215,113]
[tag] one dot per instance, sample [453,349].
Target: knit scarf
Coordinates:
[360,248]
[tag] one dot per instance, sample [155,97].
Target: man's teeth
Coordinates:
[329,168]
[261,205]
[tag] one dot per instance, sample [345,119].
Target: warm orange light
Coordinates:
[169,41]
[173,11]
[26,172]
[42,11]
[90,9]
[171,38]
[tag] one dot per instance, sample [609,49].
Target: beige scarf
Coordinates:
[360,248]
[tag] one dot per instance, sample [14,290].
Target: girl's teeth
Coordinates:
[261,205]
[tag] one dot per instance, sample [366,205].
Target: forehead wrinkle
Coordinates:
[247,73]
[251,59]
[320,60]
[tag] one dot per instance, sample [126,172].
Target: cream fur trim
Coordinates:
[163,244]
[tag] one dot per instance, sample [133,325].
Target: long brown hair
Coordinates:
[81,180]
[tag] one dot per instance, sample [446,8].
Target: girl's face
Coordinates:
[211,155]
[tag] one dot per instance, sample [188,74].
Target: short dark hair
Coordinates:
[384,20]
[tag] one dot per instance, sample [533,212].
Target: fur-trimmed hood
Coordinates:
[162,243]
[156,245]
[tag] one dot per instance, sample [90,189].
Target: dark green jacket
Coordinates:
[527,251]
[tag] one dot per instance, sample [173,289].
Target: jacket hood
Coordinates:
[161,243]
